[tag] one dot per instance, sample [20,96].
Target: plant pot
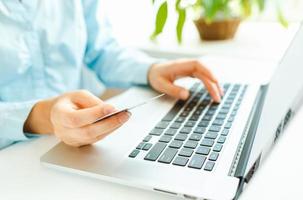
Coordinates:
[217,30]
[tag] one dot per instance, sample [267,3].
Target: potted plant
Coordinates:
[214,19]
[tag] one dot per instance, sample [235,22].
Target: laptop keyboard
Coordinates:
[193,132]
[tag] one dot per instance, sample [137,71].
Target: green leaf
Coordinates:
[261,5]
[281,18]
[181,20]
[160,20]
[246,7]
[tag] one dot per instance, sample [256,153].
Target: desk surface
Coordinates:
[22,175]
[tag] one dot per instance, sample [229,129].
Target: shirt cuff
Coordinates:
[13,116]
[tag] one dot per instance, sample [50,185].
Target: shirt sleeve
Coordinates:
[12,118]
[115,65]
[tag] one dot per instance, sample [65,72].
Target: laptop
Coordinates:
[195,149]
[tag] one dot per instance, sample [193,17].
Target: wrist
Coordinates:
[38,121]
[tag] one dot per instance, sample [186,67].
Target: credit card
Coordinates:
[129,108]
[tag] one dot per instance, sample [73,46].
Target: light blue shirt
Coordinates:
[48,47]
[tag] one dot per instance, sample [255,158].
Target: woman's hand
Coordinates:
[70,117]
[162,76]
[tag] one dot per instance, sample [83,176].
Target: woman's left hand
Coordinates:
[162,76]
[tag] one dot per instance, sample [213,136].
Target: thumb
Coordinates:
[77,118]
[173,90]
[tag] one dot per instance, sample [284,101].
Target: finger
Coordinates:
[71,118]
[84,99]
[190,68]
[106,126]
[173,90]
[212,89]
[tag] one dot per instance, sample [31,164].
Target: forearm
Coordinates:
[38,121]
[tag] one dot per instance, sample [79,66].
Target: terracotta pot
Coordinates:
[217,30]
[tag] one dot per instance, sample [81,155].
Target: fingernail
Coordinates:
[124,117]
[218,99]
[184,94]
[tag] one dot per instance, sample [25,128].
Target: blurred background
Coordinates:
[134,21]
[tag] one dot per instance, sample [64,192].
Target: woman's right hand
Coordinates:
[70,117]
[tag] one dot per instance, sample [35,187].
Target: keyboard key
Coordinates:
[205,102]
[165,138]
[198,112]
[156,132]
[168,155]
[200,108]
[233,113]
[210,112]
[162,125]
[180,161]
[203,150]
[175,125]
[134,153]
[207,98]
[209,166]
[155,152]
[215,128]
[147,146]
[174,111]
[211,135]
[170,132]
[228,125]
[184,114]
[191,144]
[186,152]
[231,119]
[190,124]
[147,138]
[206,118]
[217,147]
[207,142]
[141,145]
[195,137]
[188,109]
[213,156]
[225,132]
[176,144]
[214,106]
[221,139]
[180,119]
[203,123]
[224,111]
[218,122]
[185,130]
[229,101]
[200,130]
[227,107]
[194,117]
[197,161]
[181,137]
[221,116]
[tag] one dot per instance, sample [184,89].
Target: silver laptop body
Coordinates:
[260,118]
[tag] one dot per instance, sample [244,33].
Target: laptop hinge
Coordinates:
[245,145]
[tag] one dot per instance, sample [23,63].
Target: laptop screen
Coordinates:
[284,94]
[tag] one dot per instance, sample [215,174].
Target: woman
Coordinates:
[52,48]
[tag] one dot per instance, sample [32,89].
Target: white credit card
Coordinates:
[128,108]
